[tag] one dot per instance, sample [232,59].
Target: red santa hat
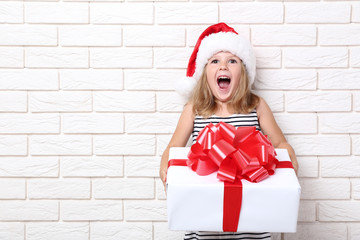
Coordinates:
[216,38]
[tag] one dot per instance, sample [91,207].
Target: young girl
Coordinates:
[221,71]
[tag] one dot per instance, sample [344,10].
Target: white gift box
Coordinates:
[195,203]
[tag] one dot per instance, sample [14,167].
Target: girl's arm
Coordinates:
[179,139]
[270,128]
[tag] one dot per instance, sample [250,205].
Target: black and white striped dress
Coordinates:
[237,120]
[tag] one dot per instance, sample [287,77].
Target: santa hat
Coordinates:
[216,38]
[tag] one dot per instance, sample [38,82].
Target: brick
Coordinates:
[151,123]
[14,101]
[169,102]
[13,231]
[355,139]
[12,189]
[297,123]
[40,12]
[275,99]
[121,13]
[319,231]
[124,101]
[91,210]
[339,79]
[57,231]
[339,35]
[142,166]
[308,167]
[90,35]
[186,13]
[287,35]
[355,186]
[355,57]
[317,12]
[91,166]
[339,211]
[354,232]
[355,12]
[171,57]
[301,101]
[162,232]
[58,188]
[26,35]
[11,12]
[121,57]
[149,36]
[60,102]
[340,166]
[125,188]
[356,101]
[143,210]
[93,123]
[11,57]
[121,230]
[315,57]
[308,145]
[29,167]
[251,12]
[25,79]
[267,57]
[25,123]
[91,79]
[124,145]
[47,57]
[325,189]
[160,190]
[307,211]
[339,123]
[13,145]
[60,145]
[286,79]
[29,210]
[152,79]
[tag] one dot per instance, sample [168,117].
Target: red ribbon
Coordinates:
[242,153]
[235,153]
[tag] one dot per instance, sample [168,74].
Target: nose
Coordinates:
[223,65]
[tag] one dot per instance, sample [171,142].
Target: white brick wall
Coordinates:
[87,106]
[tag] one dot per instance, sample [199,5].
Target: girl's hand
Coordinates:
[163,174]
[295,166]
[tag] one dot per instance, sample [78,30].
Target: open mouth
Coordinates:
[223,82]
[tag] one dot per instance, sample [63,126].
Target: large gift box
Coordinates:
[206,203]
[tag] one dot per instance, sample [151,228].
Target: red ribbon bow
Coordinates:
[235,153]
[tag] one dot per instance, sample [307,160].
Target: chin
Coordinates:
[223,97]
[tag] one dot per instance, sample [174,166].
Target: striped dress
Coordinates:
[237,120]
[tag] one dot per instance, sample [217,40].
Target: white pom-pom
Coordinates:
[184,86]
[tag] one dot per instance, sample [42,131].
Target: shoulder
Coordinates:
[188,111]
[262,106]
[188,108]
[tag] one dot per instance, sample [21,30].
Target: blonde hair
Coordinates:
[242,99]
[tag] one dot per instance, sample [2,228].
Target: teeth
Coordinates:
[225,78]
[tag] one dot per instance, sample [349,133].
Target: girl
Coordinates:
[220,73]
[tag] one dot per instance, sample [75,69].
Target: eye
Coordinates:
[214,61]
[232,61]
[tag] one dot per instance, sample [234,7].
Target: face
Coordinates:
[223,73]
